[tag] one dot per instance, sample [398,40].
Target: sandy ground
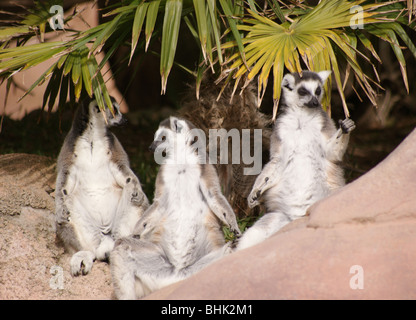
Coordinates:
[32,264]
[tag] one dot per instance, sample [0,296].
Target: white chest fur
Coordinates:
[185,214]
[302,162]
[300,131]
[96,189]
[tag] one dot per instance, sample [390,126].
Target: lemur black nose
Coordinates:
[154,145]
[313,103]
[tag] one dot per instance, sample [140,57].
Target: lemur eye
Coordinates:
[302,91]
[163,138]
[318,91]
[288,87]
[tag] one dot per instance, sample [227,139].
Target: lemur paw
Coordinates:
[229,248]
[347,125]
[136,194]
[253,198]
[137,198]
[236,231]
[231,223]
[65,213]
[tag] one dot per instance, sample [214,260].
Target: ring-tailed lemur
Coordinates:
[98,197]
[305,152]
[181,231]
[218,109]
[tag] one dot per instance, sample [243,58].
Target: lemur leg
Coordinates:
[268,178]
[68,219]
[132,204]
[207,260]
[82,261]
[64,227]
[139,267]
[338,143]
[102,252]
[150,220]
[122,266]
[211,191]
[64,187]
[125,177]
[266,226]
[129,210]
[91,242]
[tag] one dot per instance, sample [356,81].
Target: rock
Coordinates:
[32,264]
[26,180]
[356,244]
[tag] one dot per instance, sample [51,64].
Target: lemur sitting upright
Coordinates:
[181,231]
[98,197]
[305,152]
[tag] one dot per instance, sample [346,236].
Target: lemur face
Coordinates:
[305,91]
[173,131]
[118,116]
[112,120]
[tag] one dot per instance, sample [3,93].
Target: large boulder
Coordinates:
[359,243]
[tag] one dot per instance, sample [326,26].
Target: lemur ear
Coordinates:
[288,81]
[324,75]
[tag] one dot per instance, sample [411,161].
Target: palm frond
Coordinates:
[312,38]
[239,38]
[139,17]
[171,23]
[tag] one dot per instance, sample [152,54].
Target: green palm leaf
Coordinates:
[244,40]
[311,39]
[139,16]
[151,16]
[170,34]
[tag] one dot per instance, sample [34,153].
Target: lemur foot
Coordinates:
[104,249]
[347,125]
[81,262]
